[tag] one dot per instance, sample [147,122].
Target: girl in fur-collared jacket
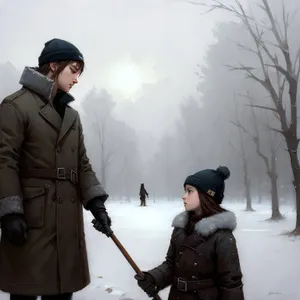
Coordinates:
[202,261]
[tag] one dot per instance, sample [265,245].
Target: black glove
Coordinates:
[97,208]
[147,284]
[14,228]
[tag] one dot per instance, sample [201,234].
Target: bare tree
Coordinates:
[287,73]
[106,153]
[270,164]
[125,173]
[243,155]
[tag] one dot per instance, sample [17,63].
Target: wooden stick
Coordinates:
[127,256]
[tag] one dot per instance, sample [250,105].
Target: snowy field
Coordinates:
[269,260]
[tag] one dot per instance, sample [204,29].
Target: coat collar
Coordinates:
[41,84]
[208,226]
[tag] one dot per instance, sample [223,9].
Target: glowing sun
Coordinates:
[127,78]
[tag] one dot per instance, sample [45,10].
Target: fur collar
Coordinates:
[37,82]
[40,84]
[208,226]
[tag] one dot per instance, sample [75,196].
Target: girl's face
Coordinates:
[191,199]
[68,77]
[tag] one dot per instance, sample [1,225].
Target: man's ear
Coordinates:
[53,67]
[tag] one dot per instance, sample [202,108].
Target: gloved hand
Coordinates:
[147,284]
[97,208]
[14,228]
[98,226]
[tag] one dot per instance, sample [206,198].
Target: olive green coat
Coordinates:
[33,136]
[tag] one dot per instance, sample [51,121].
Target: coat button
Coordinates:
[195,264]
[180,253]
[60,200]
[73,200]
[58,149]
[73,149]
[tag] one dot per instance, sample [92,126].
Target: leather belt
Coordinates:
[192,285]
[58,174]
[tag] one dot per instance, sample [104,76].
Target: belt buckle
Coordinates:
[73,177]
[181,285]
[61,173]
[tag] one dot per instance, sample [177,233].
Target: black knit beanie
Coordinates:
[59,50]
[210,182]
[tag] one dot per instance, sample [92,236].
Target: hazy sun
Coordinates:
[127,78]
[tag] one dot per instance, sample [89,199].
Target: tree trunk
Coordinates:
[247,186]
[127,190]
[248,196]
[292,149]
[259,200]
[297,190]
[276,215]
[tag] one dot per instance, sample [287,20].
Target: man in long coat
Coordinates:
[45,180]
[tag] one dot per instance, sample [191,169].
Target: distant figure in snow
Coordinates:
[143,194]
[202,261]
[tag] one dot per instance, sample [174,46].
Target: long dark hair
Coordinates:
[208,205]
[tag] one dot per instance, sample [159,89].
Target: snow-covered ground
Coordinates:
[269,260]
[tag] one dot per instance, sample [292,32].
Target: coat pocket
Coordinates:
[34,206]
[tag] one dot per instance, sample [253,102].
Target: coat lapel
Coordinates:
[68,120]
[193,240]
[51,116]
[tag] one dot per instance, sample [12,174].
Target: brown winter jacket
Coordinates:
[203,265]
[34,137]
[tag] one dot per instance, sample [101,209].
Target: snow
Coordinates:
[269,260]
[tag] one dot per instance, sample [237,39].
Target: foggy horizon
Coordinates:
[165,53]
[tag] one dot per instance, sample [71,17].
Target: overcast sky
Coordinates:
[163,39]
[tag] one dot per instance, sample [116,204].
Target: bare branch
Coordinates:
[239,125]
[288,71]
[275,28]
[278,146]
[275,112]
[296,69]
[281,87]
[249,72]
[274,129]
[262,107]
[285,18]
[246,48]
[296,58]
[256,140]
[282,70]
